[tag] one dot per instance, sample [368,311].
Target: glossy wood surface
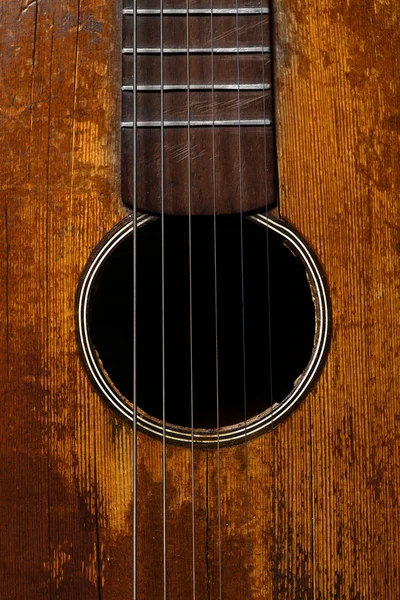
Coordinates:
[321,517]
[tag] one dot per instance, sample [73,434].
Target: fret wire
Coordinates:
[227,50]
[198,11]
[246,87]
[219,123]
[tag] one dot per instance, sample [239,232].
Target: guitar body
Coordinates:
[309,509]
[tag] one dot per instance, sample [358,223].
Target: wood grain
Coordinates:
[337,66]
[318,514]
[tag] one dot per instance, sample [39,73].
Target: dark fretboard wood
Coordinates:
[232,148]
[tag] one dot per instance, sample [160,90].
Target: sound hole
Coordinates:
[247,352]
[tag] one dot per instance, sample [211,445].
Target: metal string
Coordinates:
[269,302]
[164,449]
[134,216]
[190,283]
[266,211]
[243,311]
[268,259]
[216,306]
[190,302]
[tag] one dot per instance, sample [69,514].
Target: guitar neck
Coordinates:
[198,111]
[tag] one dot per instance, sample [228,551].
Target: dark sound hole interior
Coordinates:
[254,373]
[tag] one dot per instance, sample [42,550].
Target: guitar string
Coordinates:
[190,302]
[164,448]
[216,302]
[273,443]
[163,285]
[243,307]
[134,557]
[269,327]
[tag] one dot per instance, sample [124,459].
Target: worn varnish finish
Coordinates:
[340,74]
[323,487]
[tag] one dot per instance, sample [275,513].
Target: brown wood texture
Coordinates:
[244,172]
[321,516]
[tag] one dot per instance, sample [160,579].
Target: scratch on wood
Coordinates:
[75,99]
[240,31]
[27,6]
[34,3]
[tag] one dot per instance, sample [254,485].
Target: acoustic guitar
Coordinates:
[199,299]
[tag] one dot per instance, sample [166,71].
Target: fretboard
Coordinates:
[213,142]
